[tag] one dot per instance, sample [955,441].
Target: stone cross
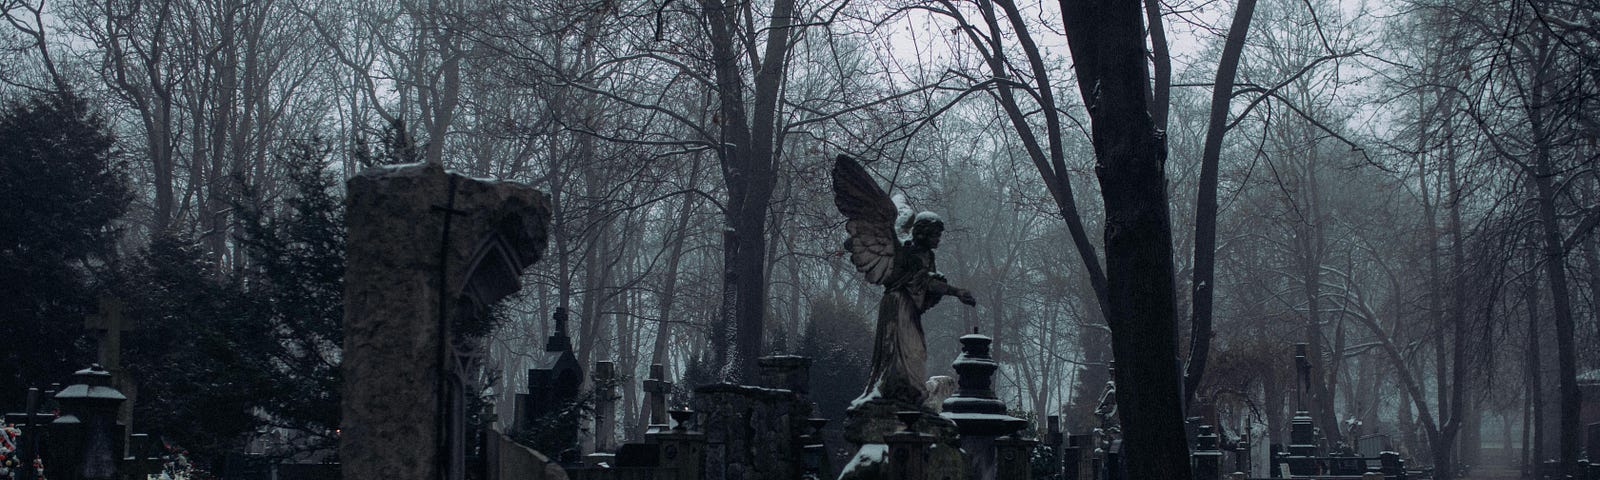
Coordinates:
[110,325]
[31,422]
[656,389]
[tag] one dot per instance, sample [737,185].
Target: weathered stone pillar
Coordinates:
[909,451]
[979,415]
[1302,444]
[1241,457]
[788,372]
[428,252]
[1207,458]
[1072,462]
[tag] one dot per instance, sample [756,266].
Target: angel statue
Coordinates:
[894,249]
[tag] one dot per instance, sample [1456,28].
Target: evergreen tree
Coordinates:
[61,190]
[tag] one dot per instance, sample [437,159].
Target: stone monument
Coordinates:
[429,252]
[894,250]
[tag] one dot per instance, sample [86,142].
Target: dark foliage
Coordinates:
[62,190]
[296,270]
[196,356]
[838,339]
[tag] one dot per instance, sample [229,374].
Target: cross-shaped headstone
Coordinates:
[109,325]
[656,389]
[32,424]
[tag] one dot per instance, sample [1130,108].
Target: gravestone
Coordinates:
[428,253]
[31,424]
[553,382]
[656,389]
[108,324]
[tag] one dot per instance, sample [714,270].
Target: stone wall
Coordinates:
[752,433]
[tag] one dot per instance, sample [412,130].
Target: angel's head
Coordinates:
[926,228]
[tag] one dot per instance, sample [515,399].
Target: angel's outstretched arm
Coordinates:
[939,286]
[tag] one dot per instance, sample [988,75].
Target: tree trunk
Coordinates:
[1555,260]
[1205,224]
[1107,44]
[750,146]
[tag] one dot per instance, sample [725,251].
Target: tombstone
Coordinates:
[508,460]
[1241,456]
[108,324]
[1055,441]
[31,423]
[1302,444]
[1014,454]
[553,382]
[1207,458]
[656,389]
[980,417]
[428,253]
[88,441]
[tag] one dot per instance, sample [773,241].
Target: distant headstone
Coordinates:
[656,389]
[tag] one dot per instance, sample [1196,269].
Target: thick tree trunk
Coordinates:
[750,146]
[1107,43]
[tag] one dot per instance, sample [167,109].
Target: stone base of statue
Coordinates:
[870,422]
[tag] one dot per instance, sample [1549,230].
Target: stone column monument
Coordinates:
[429,251]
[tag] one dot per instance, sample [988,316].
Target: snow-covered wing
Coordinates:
[870,217]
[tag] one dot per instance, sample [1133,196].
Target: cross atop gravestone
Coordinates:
[656,389]
[109,325]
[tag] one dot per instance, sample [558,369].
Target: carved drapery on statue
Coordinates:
[902,261]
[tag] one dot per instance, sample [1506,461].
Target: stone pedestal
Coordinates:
[909,452]
[428,253]
[87,438]
[682,450]
[1302,444]
[1207,458]
[980,417]
[752,433]
[1013,457]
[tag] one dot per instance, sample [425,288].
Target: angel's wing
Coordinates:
[870,218]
